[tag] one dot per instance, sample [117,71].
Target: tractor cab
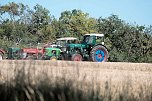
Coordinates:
[61,43]
[66,40]
[93,39]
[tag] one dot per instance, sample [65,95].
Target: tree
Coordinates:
[40,18]
[14,27]
[125,42]
[76,23]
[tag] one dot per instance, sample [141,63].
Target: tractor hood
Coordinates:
[77,45]
[50,49]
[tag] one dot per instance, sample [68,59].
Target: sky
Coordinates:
[131,11]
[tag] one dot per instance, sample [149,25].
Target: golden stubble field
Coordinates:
[133,79]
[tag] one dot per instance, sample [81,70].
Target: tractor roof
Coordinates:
[67,38]
[94,34]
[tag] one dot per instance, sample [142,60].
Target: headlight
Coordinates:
[102,43]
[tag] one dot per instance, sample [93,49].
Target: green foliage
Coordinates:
[76,23]
[124,42]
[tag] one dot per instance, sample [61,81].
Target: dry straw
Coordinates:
[75,81]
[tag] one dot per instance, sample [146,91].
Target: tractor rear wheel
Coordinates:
[1,56]
[76,57]
[29,58]
[99,54]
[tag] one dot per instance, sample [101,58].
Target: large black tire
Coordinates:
[29,58]
[99,54]
[76,57]
[62,57]
[1,56]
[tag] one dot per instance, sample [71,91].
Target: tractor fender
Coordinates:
[2,52]
[100,45]
[103,46]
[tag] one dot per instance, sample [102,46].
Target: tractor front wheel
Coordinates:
[61,57]
[53,58]
[76,57]
[99,54]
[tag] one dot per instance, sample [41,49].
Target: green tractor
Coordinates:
[59,46]
[14,53]
[91,49]
[51,53]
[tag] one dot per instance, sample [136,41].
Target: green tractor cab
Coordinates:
[61,43]
[91,48]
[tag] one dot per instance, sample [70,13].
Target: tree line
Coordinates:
[22,25]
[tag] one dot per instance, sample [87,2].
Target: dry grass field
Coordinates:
[102,81]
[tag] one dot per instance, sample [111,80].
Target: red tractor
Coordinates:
[32,53]
[2,52]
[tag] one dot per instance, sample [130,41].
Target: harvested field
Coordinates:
[69,69]
[130,80]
